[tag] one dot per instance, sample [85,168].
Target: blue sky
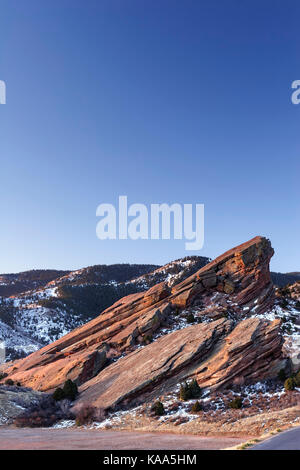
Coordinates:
[160,100]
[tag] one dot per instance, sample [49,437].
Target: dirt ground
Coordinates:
[83,439]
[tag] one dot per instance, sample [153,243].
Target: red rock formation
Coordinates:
[156,367]
[241,273]
[249,353]
[234,285]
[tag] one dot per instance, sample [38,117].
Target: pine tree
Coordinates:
[70,390]
[196,407]
[195,389]
[185,392]
[58,394]
[158,408]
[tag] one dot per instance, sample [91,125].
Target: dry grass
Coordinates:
[233,424]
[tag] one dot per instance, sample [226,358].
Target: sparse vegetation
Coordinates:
[69,391]
[196,407]
[297,379]
[189,390]
[87,414]
[289,384]
[184,392]
[245,446]
[195,389]
[190,318]
[158,408]
[9,382]
[147,339]
[58,394]
[236,403]
[44,414]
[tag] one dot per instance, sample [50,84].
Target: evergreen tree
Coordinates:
[70,390]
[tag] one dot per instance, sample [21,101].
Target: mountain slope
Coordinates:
[282,279]
[13,284]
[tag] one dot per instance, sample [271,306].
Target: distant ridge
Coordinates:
[282,279]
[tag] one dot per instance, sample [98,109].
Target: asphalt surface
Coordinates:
[288,440]
[65,439]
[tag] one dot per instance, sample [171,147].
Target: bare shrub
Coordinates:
[87,414]
[45,413]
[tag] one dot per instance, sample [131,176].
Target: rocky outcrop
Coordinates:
[220,295]
[291,350]
[15,400]
[217,359]
[241,273]
[251,352]
[154,368]
[292,291]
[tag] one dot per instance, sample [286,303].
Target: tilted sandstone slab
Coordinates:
[234,285]
[251,352]
[145,369]
[49,371]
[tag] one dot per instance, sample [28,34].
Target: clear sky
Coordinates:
[160,100]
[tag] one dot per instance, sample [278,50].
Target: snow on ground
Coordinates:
[32,325]
[168,273]
[17,340]
[47,293]
[179,324]
[289,315]
[67,423]
[42,323]
[262,396]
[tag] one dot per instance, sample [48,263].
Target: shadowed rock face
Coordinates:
[223,294]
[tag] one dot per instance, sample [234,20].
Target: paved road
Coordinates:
[63,439]
[288,440]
